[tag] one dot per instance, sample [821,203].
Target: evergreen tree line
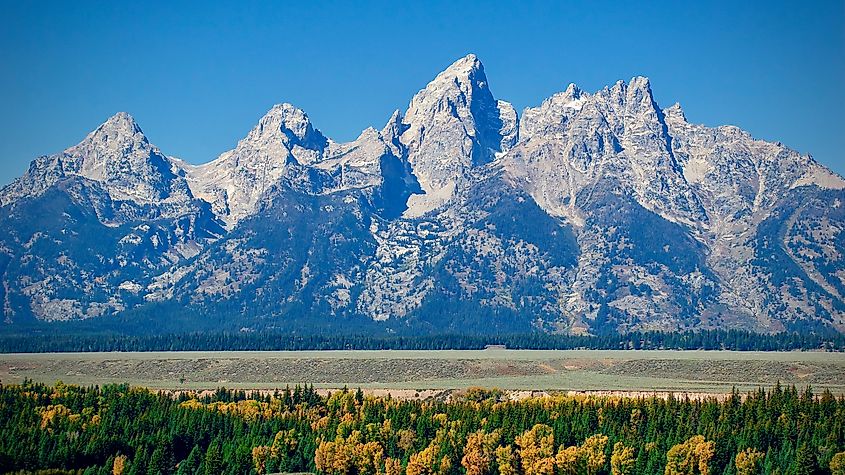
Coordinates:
[738,340]
[120,430]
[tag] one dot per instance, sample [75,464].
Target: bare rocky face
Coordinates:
[592,212]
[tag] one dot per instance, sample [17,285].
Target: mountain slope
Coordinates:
[590,213]
[85,230]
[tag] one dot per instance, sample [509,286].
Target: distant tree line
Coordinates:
[738,340]
[119,430]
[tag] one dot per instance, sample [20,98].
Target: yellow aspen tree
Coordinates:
[592,451]
[445,466]
[119,465]
[837,464]
[622,460]
[260,455]
[334,457]
[392,466]
[691,457]
[748,461]
[544,466]
[406,439]
[474,460]
[506,460]
[369,457]
[324,456]
[536,450]
[479,452]
[704,451]
[568,459]
[53,413]
[422,463]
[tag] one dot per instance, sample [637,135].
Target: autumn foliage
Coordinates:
[118,430]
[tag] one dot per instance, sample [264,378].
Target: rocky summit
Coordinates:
[594,212]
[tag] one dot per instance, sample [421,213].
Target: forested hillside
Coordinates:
[121,430]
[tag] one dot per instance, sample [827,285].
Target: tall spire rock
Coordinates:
[392,131]
[454,124]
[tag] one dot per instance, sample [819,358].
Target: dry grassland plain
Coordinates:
[564,370]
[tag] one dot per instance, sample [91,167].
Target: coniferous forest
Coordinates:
[121,430]
[736,340]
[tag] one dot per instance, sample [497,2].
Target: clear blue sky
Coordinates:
[197,76]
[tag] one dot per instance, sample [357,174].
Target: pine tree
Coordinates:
[213,462]
[191,465]
[805,461]
[139,462]
[159,461]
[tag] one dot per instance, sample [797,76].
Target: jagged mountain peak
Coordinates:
[468,68]
[235,182]
[122,122]
[119,157]
[451,126]
[640,82]
[675,113]
[118,139]
[457,86]
[636,95]
[118,133]
[636,82]
[394,122]
[610,103]
[638,87]
[572,90]
[367,133]
[289,124]
[639,93]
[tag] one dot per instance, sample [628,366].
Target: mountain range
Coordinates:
[588,214]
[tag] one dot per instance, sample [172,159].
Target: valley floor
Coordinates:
[407,373]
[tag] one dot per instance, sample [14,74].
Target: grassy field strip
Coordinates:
[531,355]
[570,370]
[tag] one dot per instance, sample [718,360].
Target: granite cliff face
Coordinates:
[591,213]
